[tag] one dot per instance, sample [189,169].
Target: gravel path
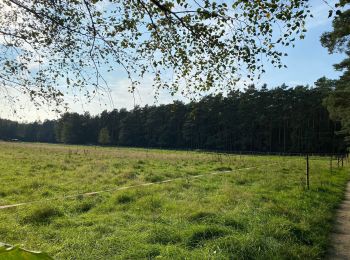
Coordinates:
[340,238]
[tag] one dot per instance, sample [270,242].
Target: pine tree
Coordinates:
[338,40]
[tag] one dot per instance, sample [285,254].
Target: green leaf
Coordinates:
[16,253]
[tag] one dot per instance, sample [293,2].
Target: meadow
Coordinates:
[216,206]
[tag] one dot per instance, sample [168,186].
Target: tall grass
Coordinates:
[261,213]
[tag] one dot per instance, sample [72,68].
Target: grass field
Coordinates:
[263,212]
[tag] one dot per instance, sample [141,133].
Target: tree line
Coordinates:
[282,119]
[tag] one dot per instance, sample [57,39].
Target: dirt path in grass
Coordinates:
[340,238]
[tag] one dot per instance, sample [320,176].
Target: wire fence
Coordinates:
[91,193]
[335,161]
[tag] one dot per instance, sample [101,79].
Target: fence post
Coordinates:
[338,160]
[330,164]
[307,172]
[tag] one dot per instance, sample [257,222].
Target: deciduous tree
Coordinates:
[201,45]
[103,136]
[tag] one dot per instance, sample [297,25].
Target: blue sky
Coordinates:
[307,62]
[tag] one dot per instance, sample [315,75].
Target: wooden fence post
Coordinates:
[338,160]
[330,164]
[307,172]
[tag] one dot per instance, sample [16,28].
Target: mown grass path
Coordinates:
[340,237]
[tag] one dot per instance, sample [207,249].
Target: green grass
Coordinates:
[261,213]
